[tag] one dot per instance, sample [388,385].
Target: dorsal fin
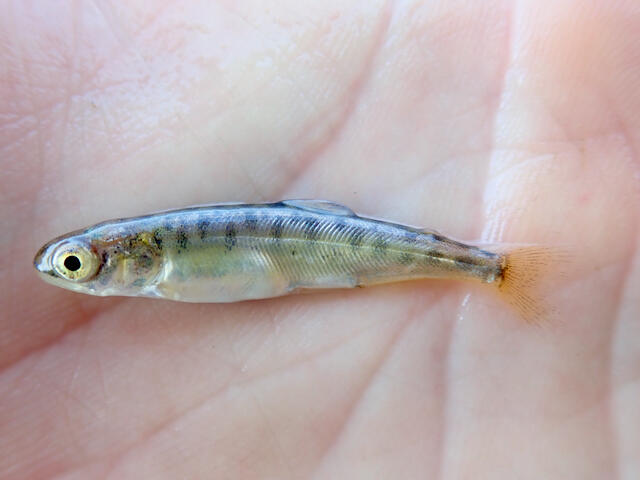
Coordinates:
[320,206]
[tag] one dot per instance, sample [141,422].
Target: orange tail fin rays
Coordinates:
[528,273]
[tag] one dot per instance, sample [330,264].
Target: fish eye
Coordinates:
[75,262]
[72,263]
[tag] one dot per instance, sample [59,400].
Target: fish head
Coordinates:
[120,264]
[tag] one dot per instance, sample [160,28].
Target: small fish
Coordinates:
[228,253]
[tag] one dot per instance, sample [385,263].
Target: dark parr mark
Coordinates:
[405,258]
[203,228]
[433,256]
[339,227]
[380,246]
[181,239]
[310,228]
[357,237]
[276,228]
[230,236]
[157,238]
[144,261]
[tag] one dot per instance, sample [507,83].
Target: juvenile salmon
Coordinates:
[228,253]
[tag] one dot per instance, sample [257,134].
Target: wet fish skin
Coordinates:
[226,253]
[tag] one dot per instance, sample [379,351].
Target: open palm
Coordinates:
[495,121]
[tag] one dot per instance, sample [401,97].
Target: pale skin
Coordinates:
[498,121]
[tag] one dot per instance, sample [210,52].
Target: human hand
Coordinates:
[485,120]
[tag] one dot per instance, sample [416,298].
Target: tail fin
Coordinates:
[525,271]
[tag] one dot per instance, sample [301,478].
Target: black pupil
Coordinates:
[72,263]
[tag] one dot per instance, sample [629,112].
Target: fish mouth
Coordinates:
[43,263]
[42,260]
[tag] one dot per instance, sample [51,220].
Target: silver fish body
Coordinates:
[226,253]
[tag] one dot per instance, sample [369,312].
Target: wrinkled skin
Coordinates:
[500,121]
